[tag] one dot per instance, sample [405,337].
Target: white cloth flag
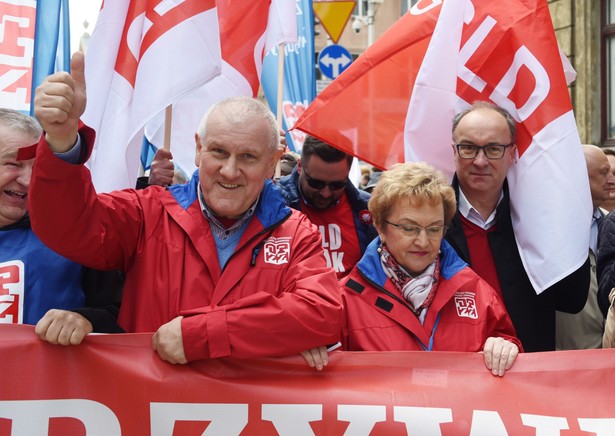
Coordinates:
[549,252]
[248,31]
[143,56]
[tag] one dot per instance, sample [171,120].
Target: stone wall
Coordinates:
[577,27]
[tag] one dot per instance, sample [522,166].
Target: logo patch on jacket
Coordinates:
[11,292]
[277,250]
[466,305]
[366,217]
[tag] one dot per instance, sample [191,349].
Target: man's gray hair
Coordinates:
[18,121]
[243,110]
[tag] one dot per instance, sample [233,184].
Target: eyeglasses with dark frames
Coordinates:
[491,151]
[433,232]
[335,185]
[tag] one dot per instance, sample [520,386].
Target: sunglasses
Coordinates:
[321,184]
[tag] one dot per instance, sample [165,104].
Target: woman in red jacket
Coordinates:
[410,290]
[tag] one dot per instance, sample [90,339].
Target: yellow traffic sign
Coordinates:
[333,15]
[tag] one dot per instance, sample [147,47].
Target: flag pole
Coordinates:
[168,117]
[280,99]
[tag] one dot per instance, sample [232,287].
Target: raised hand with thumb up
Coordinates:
[58,104]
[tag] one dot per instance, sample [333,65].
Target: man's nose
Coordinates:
[229,167]
[25,174]
[326,191]
[481,158]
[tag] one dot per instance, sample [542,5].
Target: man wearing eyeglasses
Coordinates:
[319,187]
[482,234]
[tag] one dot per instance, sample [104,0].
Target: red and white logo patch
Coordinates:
[466,305]
[11,292]
[277,250]
[366,217]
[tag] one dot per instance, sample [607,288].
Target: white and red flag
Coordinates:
[248,30]
[143,55]
[396,103]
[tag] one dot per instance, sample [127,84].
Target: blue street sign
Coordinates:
[333,59]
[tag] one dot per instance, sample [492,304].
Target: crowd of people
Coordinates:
[233,263]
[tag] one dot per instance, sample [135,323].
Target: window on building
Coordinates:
[608,72]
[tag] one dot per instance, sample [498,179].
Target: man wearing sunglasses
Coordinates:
[482,234]
[319,187]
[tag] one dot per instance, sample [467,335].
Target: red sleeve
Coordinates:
[306,313]
[501,324]
[69,217]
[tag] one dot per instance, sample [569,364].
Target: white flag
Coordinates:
[248,30]
[142,56]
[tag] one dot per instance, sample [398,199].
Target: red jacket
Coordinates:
[275,296]
[465,310]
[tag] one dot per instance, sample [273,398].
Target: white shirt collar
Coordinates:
[471,214]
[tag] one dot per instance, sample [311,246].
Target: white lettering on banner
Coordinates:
[292,419]
[164,415]
[545,425]
[11,292]
[362,418]
[523,57]
[18,64]
[422,420]
[418,8]
[27,44]
[487,423]
[32,417]
[602,427]
[29,417]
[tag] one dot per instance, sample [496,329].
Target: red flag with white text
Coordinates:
[396,103]
[248,30]
[142,56]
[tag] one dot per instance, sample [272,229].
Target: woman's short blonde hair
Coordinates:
[417,181]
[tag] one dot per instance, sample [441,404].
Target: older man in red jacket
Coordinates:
[216,267]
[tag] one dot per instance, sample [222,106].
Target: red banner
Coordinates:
[116,384]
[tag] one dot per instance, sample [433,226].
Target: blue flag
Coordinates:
[51,40]
[299,75]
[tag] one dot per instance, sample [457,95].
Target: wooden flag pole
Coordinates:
[280,100]
[168,118]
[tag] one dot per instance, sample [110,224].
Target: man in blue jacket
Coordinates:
[319,187]
[35,279]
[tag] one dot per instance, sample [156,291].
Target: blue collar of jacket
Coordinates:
[269,210]
[371,268]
